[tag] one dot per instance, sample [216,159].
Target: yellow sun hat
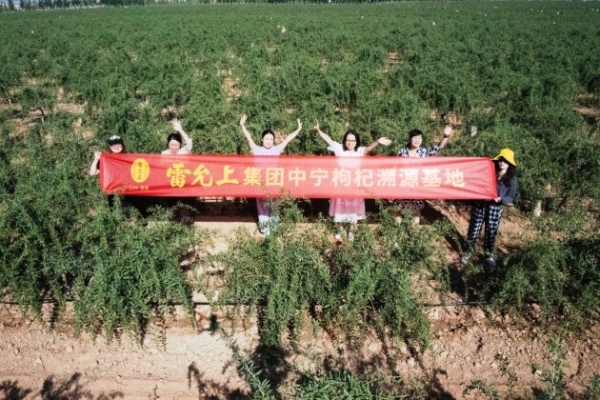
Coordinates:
[508,155]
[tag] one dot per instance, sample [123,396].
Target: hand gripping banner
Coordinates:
[451,178]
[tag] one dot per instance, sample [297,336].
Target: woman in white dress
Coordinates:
[349,211]
[266,219]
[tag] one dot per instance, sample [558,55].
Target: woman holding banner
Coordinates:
[266,219]
[115,146]
[175,139]
[349,211]
[490,212]
[413,149]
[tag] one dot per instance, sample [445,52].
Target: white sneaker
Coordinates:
[465,259]
[490,261]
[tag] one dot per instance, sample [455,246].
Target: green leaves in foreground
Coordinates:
[334,385]
[136,273]
[120,273]
[346,288]
[561,277]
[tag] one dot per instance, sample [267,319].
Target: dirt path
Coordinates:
[36,362]
[182,364]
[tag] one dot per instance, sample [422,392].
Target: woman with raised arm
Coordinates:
[115,146]
[490,212]
[175,139]
[348,211]
[266,219]
[413,149]
[174,144]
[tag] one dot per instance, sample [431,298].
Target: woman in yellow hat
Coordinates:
[491,211]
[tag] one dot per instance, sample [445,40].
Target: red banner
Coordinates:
[456,178]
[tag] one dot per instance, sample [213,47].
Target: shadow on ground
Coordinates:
[53,389]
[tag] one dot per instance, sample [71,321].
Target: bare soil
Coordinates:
[178,361]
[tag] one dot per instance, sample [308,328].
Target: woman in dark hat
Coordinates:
[115,146]
[490,212]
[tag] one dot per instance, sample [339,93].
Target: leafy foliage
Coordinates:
[62,242]
[340,385]
[562,277]
[136,277]
[522,73]
[516,71]
[346,288]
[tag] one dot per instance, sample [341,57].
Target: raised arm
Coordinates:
[292,135]
[447,133]
[188,145]
[382,141]
[245,131]
[94,167]
[325,136]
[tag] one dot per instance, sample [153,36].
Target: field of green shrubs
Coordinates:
[524,75]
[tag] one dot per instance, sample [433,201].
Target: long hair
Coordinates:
[356,136]
[510,172]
